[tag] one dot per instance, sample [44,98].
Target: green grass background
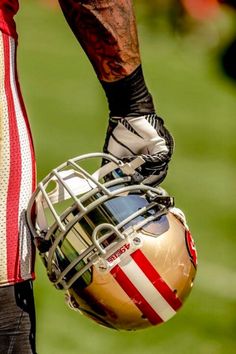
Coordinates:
[68,115]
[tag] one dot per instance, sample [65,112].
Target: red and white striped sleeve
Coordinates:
[17,172]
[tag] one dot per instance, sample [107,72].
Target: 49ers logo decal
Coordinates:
[191,248]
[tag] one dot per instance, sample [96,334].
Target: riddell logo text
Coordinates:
[118,253]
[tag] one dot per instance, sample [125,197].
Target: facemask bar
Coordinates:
[80,186]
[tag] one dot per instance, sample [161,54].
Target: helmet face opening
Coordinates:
[118,248]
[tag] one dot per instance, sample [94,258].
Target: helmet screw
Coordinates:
[136,241]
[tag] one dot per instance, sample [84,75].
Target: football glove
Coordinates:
[144,136]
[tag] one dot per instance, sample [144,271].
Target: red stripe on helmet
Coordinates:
[157,281]
[135,296]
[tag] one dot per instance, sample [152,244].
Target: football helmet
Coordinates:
[120,249]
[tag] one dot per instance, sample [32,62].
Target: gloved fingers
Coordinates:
[144,136]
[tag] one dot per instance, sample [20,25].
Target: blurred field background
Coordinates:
[68,115]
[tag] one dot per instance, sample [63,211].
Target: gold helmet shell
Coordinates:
[120,249]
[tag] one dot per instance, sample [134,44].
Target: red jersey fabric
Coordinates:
[17,171]
[8,9]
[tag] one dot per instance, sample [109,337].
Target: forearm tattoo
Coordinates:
[106,29]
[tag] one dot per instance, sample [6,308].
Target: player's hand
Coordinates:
[144,136]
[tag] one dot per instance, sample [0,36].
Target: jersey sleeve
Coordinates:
[8,9]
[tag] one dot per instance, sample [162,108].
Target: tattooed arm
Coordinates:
[106,29]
